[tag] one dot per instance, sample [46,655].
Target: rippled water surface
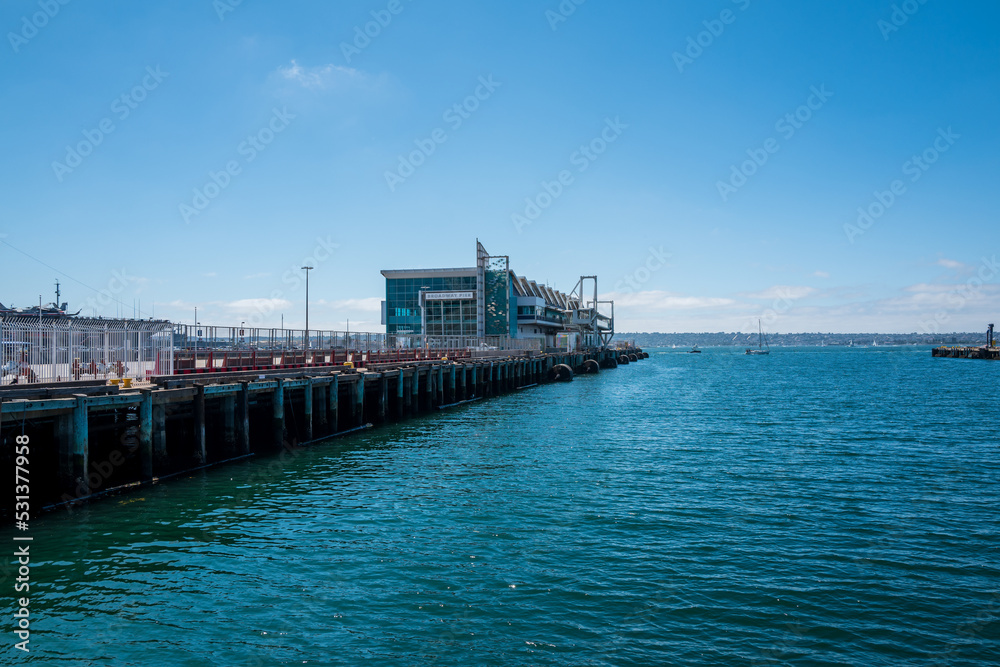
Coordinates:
[816,507]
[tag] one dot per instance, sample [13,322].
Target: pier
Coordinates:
[95,437]
[981,352]
[987,351]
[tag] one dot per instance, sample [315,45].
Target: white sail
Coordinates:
[762,346]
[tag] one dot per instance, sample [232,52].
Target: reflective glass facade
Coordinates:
[450,318]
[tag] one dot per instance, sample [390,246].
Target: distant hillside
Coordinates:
[739,339]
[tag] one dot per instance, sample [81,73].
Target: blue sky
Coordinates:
[707,160]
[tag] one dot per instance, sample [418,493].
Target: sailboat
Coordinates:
[762,346]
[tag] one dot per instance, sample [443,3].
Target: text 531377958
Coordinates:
[22,515]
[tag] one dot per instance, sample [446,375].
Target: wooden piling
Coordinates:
[333,404]
[278,414]
[359,400]
[200,445]
[321,412]
[430,387]
[383,396]
[160,459]
[427,394]
[146,435]
[440,385]
[400,386]
[81,435]
[309,408]
[415,390]
[243,420]
[62,431]
[229,423]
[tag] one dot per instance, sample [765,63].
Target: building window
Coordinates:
[403,305]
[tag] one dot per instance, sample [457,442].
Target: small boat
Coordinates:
[694,350]
[762,346]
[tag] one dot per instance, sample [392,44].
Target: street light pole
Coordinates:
[423,316]
[307,269]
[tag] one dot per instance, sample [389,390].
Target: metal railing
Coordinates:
[55,350]
[188,336]
[211,337]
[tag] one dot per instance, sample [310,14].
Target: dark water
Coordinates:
[815,507]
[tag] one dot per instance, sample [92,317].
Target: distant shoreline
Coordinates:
[742,339]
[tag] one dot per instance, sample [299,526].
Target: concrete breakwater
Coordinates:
[91,439]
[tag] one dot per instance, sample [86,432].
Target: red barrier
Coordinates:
[185,361]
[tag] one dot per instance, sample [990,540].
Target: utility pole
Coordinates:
[307,269]
[422,301]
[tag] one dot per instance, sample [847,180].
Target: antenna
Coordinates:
[57,294]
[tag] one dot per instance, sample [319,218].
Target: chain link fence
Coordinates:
[56,350]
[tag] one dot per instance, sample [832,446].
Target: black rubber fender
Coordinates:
[561,373]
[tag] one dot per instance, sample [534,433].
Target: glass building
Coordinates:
[450,296]
[485,300]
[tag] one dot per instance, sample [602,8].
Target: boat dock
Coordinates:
[91,438]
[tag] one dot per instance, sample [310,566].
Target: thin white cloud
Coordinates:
[929,288]
[321,77]
[951,296]
[821,274]
[372,304]
[262,305]
[783,292]
[952,264]
[661,300]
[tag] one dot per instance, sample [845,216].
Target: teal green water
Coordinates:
[815,507]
